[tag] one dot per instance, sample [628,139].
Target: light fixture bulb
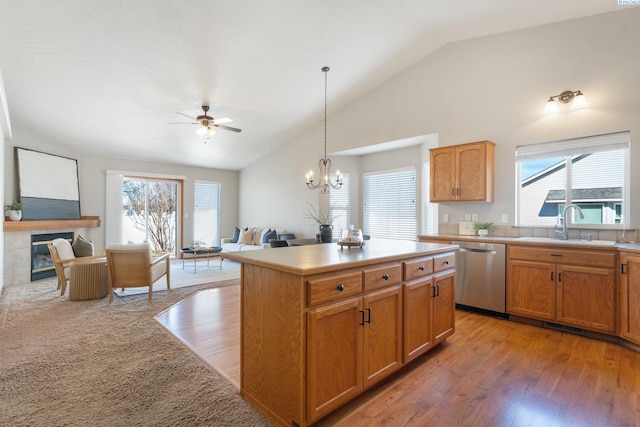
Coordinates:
[551,107]
[580,101]
[202,130]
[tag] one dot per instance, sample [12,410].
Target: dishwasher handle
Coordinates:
[482,251]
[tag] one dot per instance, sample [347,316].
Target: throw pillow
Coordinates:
[64,249]
[82,247]
[236,235]
[271,234]
[246,236]
[257,235]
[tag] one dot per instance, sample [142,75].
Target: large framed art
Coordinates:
[48,185]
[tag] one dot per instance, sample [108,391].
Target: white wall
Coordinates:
[92,180]
[488,88]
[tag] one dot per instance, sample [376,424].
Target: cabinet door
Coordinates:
[472,172]
[630,298]
[334,355]
[531,289]
[417,318]
[443,318]
[443,174]
[382,334]
[586,297]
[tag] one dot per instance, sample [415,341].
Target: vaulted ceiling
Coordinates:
[106,77]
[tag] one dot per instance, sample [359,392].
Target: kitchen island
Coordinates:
[319,325]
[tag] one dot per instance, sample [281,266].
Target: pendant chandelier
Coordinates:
[324,164]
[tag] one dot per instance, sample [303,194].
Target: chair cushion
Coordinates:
[131,246]
[82,247]
[65,251]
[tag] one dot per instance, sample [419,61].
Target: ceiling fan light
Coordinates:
[202,130]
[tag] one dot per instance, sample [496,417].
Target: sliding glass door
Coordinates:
[150,213]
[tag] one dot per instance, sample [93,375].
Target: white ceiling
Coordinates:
[106,77]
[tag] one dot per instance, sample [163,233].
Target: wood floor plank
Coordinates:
[491,372]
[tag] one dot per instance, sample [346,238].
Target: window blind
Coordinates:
[389,210]
[206,213]
[339,205]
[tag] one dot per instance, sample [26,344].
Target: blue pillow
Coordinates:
[271,234]
[236,235]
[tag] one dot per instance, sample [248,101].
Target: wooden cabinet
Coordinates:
[319,326]
[334,359]
[354,343]
[629,307]
[568,286]
[462,173]
[429,303]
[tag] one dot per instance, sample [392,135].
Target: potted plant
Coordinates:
[483,228]
[324,221]
[14,211]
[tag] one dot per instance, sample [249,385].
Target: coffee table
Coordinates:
[196,253]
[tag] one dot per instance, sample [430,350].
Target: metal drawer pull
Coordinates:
[362,317]
[368,315]
[421,268]
[385,276]
[340,287]
[447,262]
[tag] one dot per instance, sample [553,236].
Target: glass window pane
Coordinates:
[542,191]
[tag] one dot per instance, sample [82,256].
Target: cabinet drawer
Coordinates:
[605,259]
[418,267]
[324,289]
[380,277]
[444,261]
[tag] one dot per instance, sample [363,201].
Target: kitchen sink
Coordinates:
[554,241]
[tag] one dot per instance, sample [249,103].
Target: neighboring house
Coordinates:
[599,195]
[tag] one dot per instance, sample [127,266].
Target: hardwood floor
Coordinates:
[491,372]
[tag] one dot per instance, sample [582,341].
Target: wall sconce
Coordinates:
[576,98]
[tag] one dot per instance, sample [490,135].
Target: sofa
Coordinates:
[249,239]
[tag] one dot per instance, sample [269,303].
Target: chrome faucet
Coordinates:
[564,234]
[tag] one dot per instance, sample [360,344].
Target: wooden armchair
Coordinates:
[62,254]
[131,266]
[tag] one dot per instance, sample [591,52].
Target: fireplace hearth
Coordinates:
[41,262]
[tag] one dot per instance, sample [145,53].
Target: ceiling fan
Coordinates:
[207,123]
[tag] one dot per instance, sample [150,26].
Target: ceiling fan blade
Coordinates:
[222,120]
[227,127]
[186,115]
[182,123]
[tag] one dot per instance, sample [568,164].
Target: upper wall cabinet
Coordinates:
[462,173]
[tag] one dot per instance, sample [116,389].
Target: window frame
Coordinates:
[569,149]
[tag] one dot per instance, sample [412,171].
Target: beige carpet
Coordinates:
[90,363]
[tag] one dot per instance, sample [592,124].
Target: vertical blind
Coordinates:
[390,204]
[339,204]
[206,213]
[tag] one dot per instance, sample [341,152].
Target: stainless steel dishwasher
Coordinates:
[480,276]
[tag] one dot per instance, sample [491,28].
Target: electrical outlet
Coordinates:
[505,218]
[474,217]
[445,218]
[467,217]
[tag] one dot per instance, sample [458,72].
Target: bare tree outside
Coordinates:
[151,207]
